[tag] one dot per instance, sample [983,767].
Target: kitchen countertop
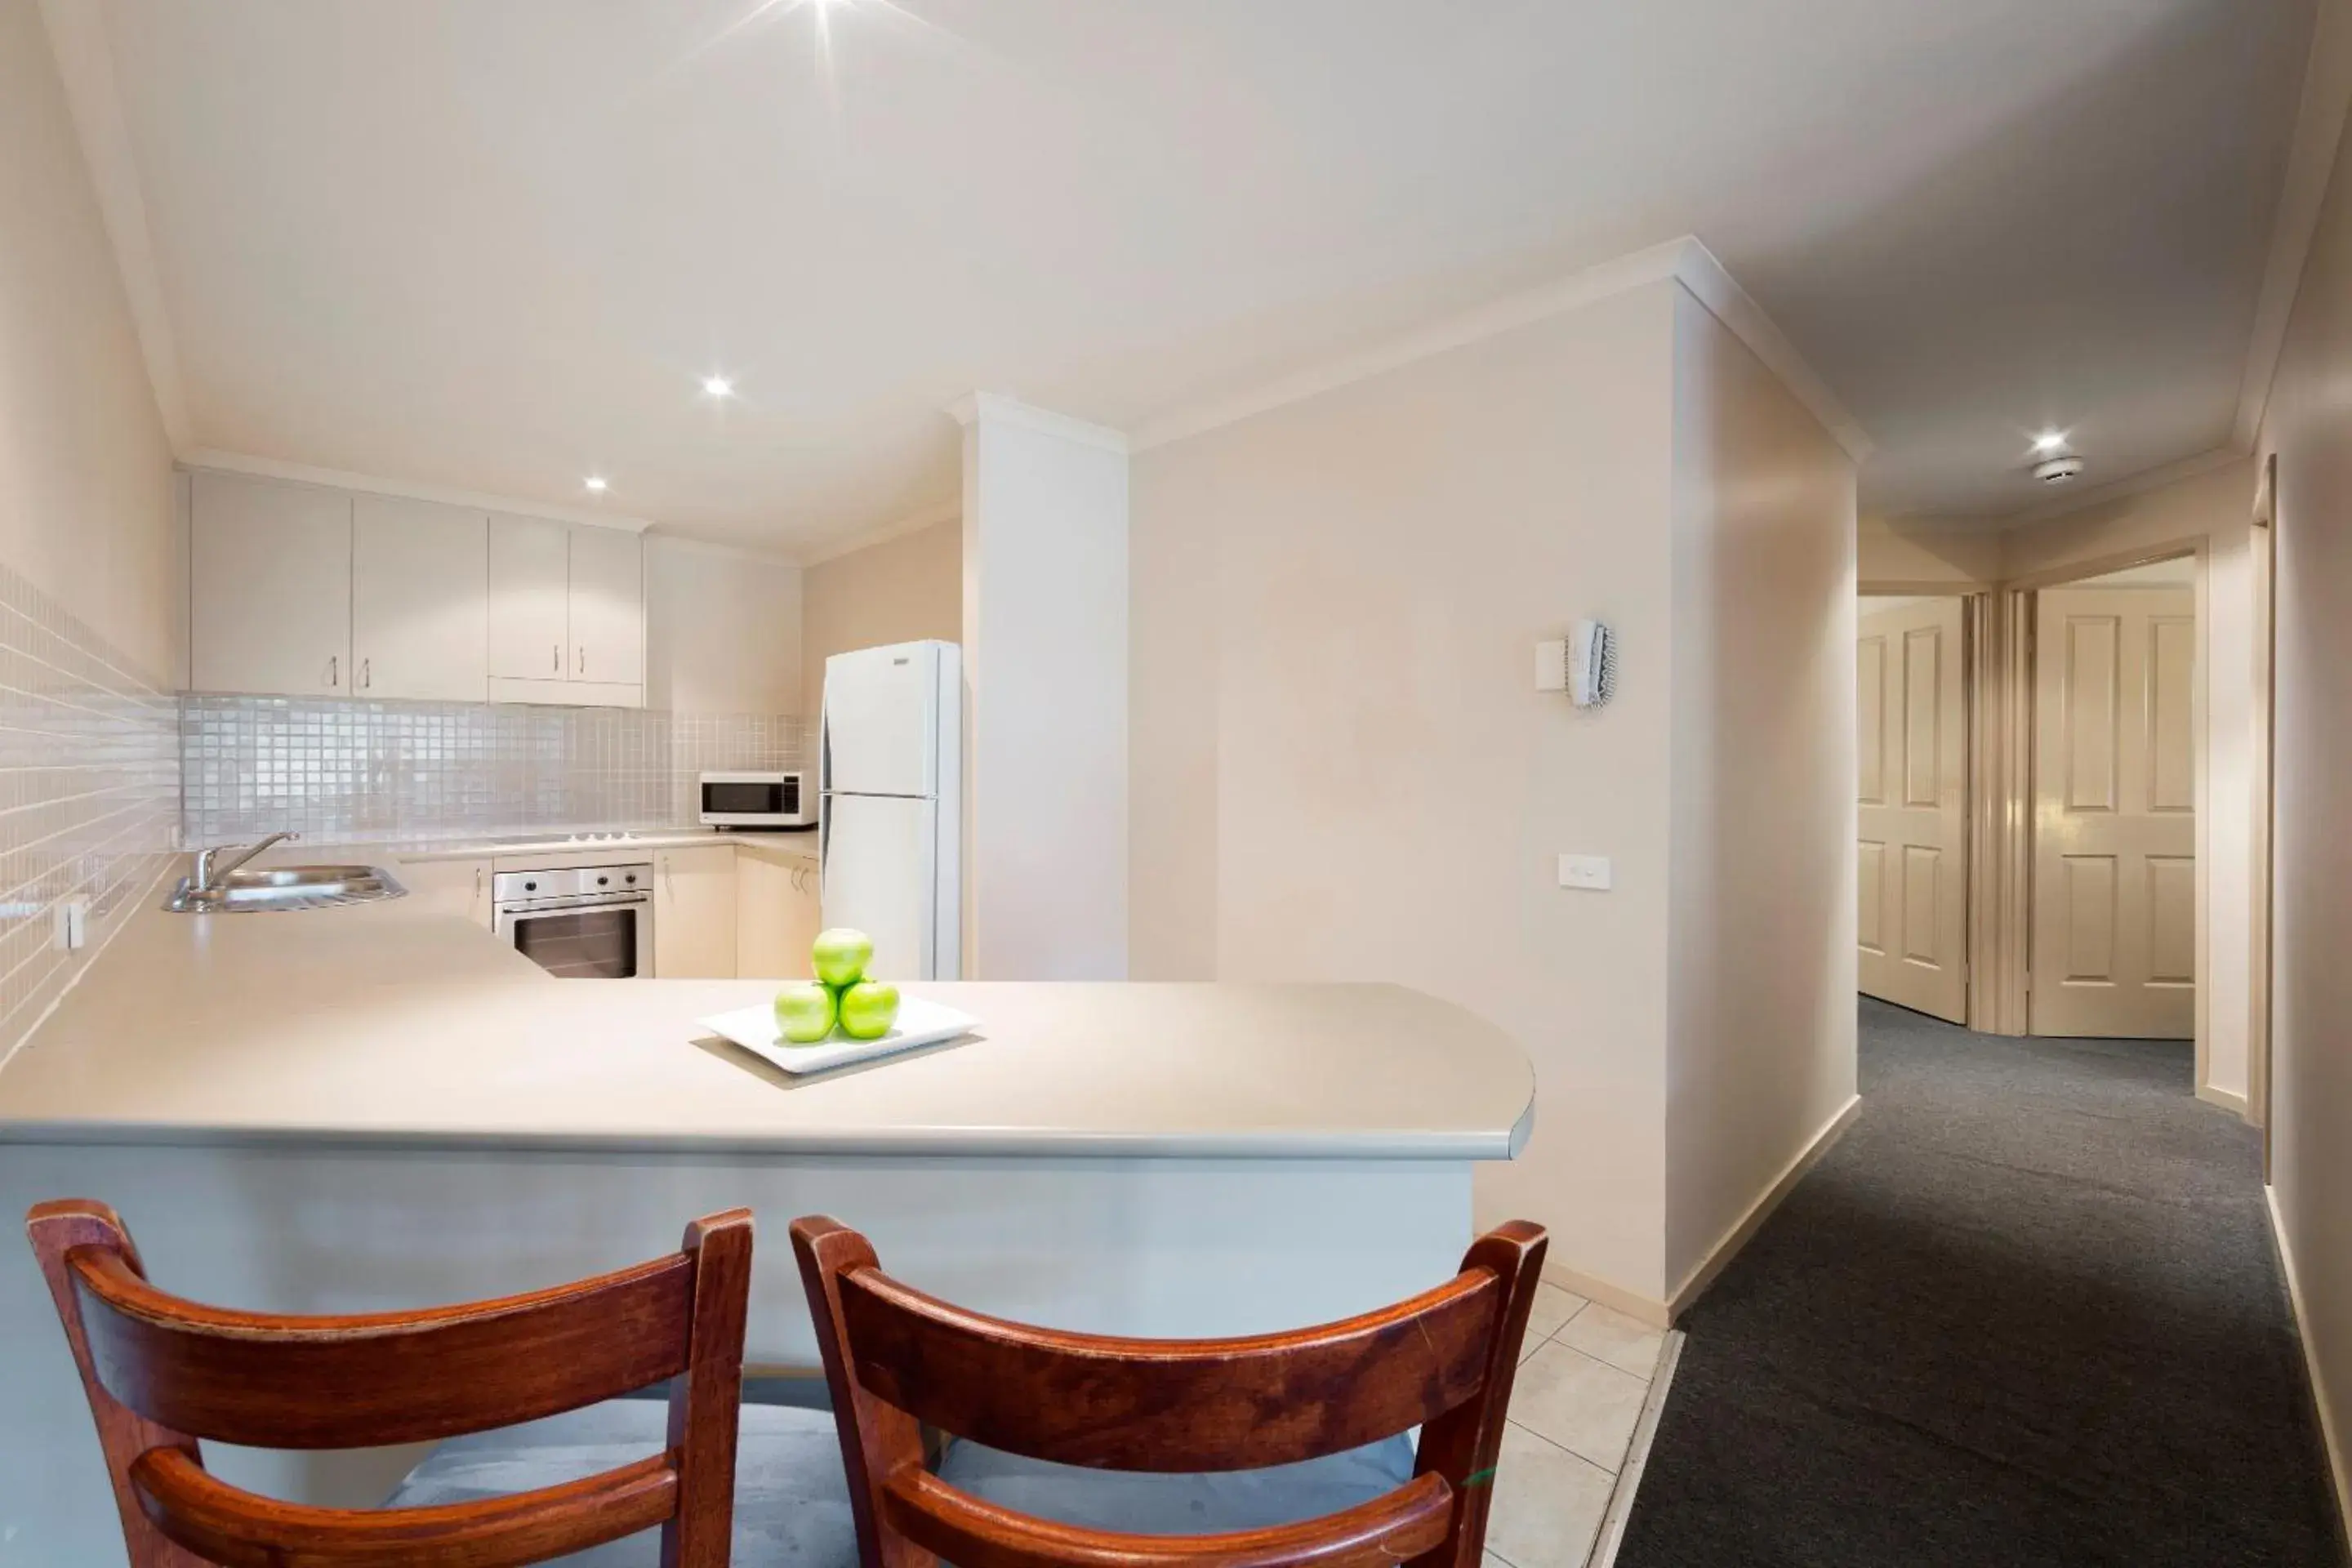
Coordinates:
[390,1024]
[518,845]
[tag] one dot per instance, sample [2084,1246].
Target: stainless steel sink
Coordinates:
[285,888]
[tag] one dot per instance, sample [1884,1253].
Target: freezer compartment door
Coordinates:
[880,873]
[881,720]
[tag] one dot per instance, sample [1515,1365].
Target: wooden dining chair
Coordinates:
[162,1374]
[900,1361]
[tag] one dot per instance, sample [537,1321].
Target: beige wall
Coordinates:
[86,489]
[902,590]
[2309,428]
[722,630]
[1343,771]
[1910,557]
[1760,1049]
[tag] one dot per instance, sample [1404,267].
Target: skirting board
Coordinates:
[1695,1282]
[2339,1463]
[1643,1309]
[2235,1103]
[1660,1314]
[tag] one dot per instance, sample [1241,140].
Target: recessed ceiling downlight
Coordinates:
[717,386]
[2050,443]
[2058,470]
[596,484]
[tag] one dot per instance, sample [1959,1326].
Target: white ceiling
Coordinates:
[495,243]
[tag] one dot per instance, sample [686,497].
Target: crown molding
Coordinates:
[997,407]
[2311,163]
[85,61]
[858,539]
[337,479]
[1684,260]
[2130,485]
[1697,270]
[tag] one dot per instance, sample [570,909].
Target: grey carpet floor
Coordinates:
[2027,1313]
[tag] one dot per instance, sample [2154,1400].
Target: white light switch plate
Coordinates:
[1588,872]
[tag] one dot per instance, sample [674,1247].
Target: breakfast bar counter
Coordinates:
[353,1109]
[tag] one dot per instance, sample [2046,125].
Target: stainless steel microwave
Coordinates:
[757,800]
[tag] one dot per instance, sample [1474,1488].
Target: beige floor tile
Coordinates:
[1548,1504]
[1585,1405]
[1552,1307]
[1624,1342]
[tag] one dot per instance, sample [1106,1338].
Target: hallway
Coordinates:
[2027,1313]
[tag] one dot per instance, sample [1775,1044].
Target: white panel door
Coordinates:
[269,587]
[1911,696]
[608,606]
[2115,851]
[531,588]
[877,878]
[420,600]
[881,720]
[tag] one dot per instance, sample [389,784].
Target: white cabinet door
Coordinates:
[776,913]
[608,606]
[270,586]
[449,887]
[420,600]
[531,588]
[694,913]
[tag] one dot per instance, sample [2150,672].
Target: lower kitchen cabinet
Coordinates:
[449,887]
[694,912]
[776,913]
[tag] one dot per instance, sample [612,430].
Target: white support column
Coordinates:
[1044,632]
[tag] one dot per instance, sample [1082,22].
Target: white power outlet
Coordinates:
[1590,873]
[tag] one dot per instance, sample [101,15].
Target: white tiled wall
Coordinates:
[341,771]
[89,792]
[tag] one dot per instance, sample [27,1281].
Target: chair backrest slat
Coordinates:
[1171,1405]
[235,1530]
[897,1358]
[162,1372]
[271,1382]
[1414,1518]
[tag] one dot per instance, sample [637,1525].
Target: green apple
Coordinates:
[868,1009]
[841,955]
[804,1013]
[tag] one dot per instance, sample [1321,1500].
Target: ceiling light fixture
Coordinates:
[597,483]
[2050,443]
[717,386]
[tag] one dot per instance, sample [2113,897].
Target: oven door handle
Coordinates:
[573,906]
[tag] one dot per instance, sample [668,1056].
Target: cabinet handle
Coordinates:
[367,677]
[669,883]
[583,659]
[331,672]
[556,652]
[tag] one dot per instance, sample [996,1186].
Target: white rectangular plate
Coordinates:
[921,1023]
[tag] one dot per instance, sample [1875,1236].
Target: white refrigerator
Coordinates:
[890,804]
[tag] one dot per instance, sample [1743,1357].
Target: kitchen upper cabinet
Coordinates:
[420,600]
[567,614]
[530,575]
[608,606]
[269,583]
[694,913]
[775,913]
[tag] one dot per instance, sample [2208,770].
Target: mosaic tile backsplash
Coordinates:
[89,793]
[415,772]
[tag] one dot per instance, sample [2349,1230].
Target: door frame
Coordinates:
[2021,602]
[2261,760]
